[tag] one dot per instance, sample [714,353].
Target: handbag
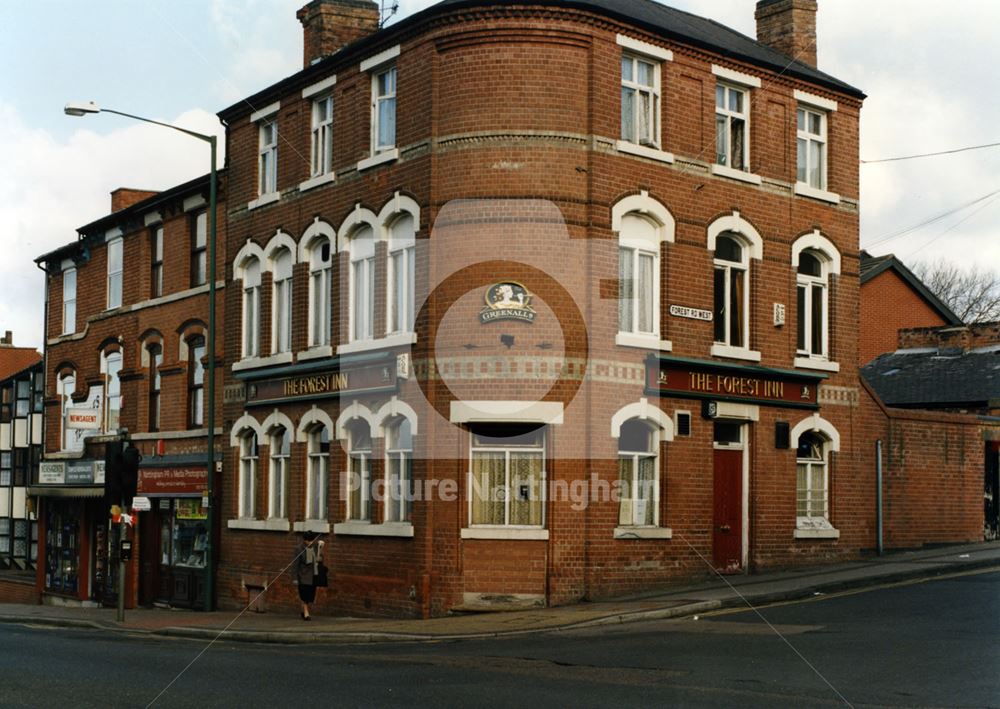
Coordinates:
[322,575]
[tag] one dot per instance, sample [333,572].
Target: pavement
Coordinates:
[672,602]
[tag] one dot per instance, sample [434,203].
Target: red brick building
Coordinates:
[125,336]
[582,277]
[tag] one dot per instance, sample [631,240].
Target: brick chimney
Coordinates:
[7,340]
[329,25]
[788,26]
[125,197]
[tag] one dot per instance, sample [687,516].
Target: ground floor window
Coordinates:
[812,497]
[637,474]
[62,548]
[508,475]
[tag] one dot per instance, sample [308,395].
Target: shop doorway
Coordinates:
[173,550]
[991,494]
[728,494]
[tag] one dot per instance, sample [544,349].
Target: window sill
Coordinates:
[740,175]
[320,352]
[817,533]
[643,533]
[647,342]
[262,525]
[379,159]
[644,151]
[319,180]
[804,190]
[403,340]
[822,365]
[735,353]
[312,525]
[257,362]
[401,530]
[520,534]
[268,198]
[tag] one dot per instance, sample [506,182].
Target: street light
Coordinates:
[82,108]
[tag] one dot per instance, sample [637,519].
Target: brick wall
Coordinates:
[889,304]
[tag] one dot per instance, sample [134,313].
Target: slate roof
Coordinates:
[872,266]
[659,19]
[932,378]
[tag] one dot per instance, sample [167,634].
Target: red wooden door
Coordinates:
[727,527]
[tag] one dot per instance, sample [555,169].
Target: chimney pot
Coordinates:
[330,25]
[788,26]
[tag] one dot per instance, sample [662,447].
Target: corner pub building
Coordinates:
[537,302]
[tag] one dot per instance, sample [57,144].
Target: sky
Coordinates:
[928,68]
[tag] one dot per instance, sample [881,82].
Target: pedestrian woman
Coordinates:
[309,556]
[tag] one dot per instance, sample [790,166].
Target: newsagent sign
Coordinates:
[697,379]
[318,385]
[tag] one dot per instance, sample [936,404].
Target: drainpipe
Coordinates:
[878,493]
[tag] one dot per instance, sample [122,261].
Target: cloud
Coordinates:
[51,188]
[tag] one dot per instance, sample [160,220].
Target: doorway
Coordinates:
[729,513]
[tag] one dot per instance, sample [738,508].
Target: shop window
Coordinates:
[155,360]
[402,274]
[69,301]
[359,499]
[199,244]
[188,534]
[62,549]
[320,279]
[196,382]
[508,475]
[732,291]
[399,470]
[318,474]
[156,262]
[281,303]
[248,476]
[280,446]
[112,367]
[251,308]
[638,472]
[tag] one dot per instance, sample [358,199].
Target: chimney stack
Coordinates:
[788,26]
[329,25]
[7,340]
[125,197]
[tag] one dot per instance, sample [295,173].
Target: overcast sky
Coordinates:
[929,69]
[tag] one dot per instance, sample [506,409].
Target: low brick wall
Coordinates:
[18,589]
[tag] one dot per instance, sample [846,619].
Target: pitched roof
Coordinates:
[872,266]
[932,378]
[659,19]
[17,359]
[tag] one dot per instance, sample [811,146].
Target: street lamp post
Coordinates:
[82,109]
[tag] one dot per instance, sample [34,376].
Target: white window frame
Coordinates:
[638,248]
[281,301]
[69,301]
[805,140]
[401,276]
[729,115]
[361,283]
[397,497]
[267,157]
[65,391]
[320,292]
[359,465]
[277,473]
[507,451]
[728,267]
[322,136]
[112,383]
[318,474]
[250,340]
[377,146]
[249,457]
[115,272]
[807,285]
[809,493]
[654,135]
[635,456]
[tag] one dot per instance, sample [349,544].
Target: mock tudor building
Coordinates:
[125,359]
[531,303]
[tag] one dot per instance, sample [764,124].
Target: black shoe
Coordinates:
[307,617]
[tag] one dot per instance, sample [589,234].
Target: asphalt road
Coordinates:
[927,644]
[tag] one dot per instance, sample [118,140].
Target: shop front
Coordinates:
[173,533]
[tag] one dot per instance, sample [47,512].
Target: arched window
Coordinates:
[251,307]
[812,480]
[732,291]
[639,277]
[359,499]
[320,270]
[398,470]
[362,284]
[401,276]
[812,284]
[638,474]
[248,475]
[277,480]
[196,382]
[65,387]
[281,302]
[155,352]
[111,367]
[318,474]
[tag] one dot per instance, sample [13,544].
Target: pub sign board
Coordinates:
[696,379]
[364,379]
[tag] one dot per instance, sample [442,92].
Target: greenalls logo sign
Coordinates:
[507,301]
